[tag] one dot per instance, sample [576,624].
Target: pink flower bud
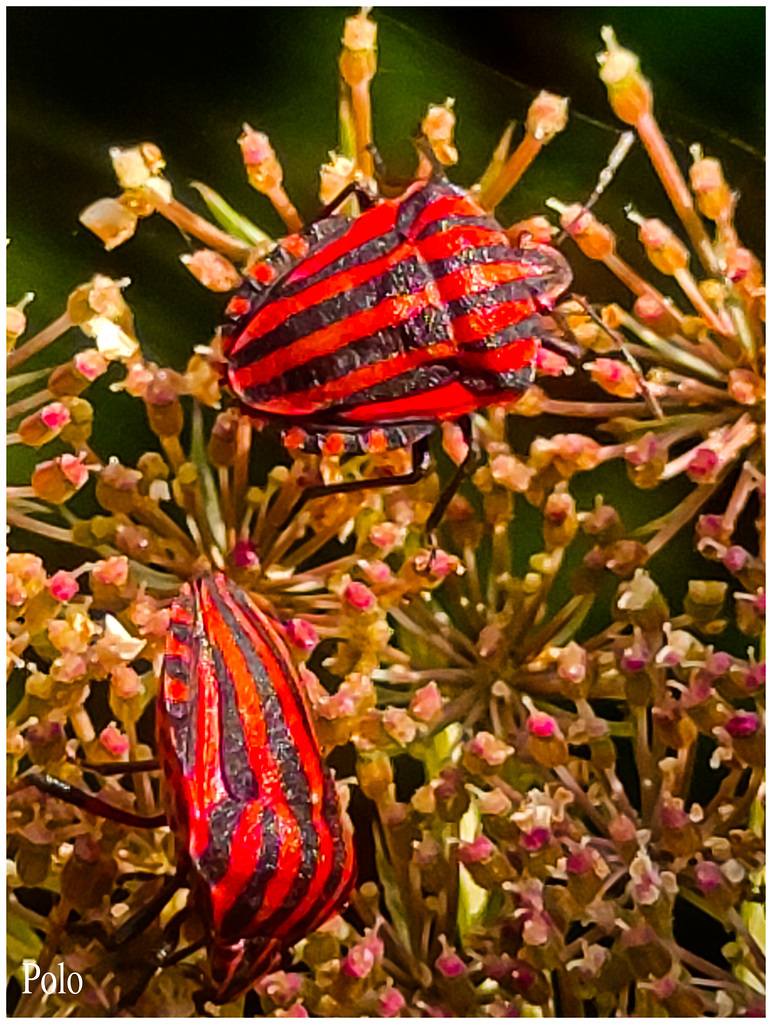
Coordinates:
[362,957]
[580,862]
[489,749]
[756,677]
[426,704]
[302,634]
[63,586]
[551,364]
[743,724]
[213,270]
[245,555]
[114,742]
[360,597]
[390,1001]
[112,571]
[542,725]
[703,465]
[90,363]
[449,963]
[708,876]
[535,839]
[479,849]
[615,377]
[125,682]
[386,535]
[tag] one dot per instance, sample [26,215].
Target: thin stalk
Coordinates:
[512,171]
[29,403]
[677,190]
[39,341]
[23,522]
[191,223]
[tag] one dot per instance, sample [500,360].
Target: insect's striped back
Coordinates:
[419,309]
[249,794]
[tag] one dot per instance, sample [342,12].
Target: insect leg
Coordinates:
[93,804]
[354,188]
[117,767]
[420,454]
[462,471]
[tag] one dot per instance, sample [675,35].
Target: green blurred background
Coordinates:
[81,79]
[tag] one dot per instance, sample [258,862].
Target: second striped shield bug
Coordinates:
[262,842]
[362,334]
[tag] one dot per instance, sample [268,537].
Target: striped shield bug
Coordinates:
[362,334]
[261,839]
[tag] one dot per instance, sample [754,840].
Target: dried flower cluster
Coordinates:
[558,770]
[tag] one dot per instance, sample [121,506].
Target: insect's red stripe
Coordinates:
[326,340]
[207,787]
[457,238]
[364,229]
[486,320]
[273,650]
[337,390]
[277,312]
[445,206]
[510,357]
[272,654]
[477,278]
[244,853]
[261,760]
[449,401]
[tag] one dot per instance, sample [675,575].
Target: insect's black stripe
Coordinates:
[471,257]
[313,915]
[459,220]
[279,740]
[382,244]
[407,277]
[510,291]
[414,382]
[294,782]
[238,918]
[235,768]
[531,327]
[428,327]
[222,822]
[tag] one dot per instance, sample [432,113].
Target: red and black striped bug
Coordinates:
[261,840]
[360,335]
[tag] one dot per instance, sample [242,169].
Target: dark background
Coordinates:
[81,79]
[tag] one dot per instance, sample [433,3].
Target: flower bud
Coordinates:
[58,479]
[615,377]
[547,115]
[43,425]
[560,520]
[334,176]
[628,91]
[212,269]
[358,60]
[437,126]
[714,199]
[263,168]
[74,377]
[666,252]
[594,239]
[110,220]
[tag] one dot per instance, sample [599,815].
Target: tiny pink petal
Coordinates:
[359,596]
[63,586]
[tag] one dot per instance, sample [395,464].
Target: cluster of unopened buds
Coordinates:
[530,728]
